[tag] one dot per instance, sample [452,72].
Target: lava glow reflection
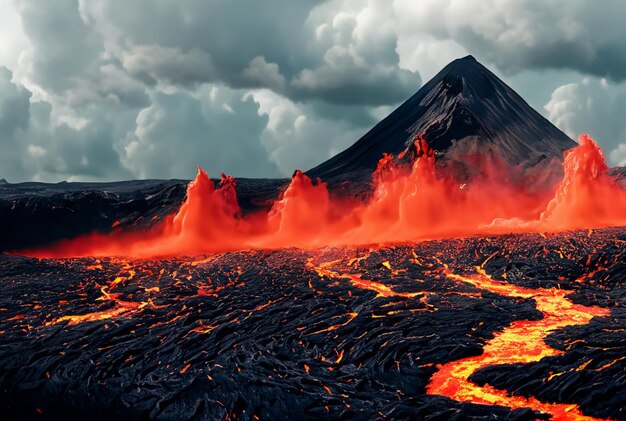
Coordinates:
[409,202]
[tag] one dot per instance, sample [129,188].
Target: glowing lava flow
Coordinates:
[409,203]
[381,290]
[521,342]
[120,307]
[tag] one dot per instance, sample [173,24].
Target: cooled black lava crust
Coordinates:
[260,335]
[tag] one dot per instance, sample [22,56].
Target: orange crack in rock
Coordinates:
[521,342]
[381,290]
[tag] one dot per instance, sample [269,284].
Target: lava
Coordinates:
[358,281]
[119,307]
[521,342]
[405,331]
[587,197]
[409,202]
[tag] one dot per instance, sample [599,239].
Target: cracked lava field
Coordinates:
[525,326]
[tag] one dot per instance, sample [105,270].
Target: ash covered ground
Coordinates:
[337,333]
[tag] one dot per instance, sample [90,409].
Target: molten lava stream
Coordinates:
[381,290]
[120,307]
[521,342]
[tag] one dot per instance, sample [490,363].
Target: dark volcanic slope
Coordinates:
[464,104]
[32,214]
[619,173]
[337,334]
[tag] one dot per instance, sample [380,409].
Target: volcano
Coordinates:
[465,109]
[242,299]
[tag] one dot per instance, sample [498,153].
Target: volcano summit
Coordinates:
[463,260]
[464,110]
[471,119]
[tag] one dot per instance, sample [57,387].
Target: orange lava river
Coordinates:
[521,342]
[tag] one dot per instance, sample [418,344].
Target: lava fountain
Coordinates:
[409,202]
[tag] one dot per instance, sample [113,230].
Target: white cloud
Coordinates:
[618,155]
[12,39]
[96,84]
[594,106]
[298,139]
[37,151]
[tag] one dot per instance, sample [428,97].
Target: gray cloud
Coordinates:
[64,48]
[593,106]
[14,104]
[216,128]
[14,117]
[150,88]
[285,47]
[120,86]
[580,35]
[34,148]
[261,73]
[153,63]
[297,137]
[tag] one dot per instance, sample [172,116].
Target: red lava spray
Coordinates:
[408,203]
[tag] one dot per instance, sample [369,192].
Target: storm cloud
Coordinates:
[103,90]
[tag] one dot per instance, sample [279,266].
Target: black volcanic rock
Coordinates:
[260,335]
[464,109]
[619,173]
[32,214]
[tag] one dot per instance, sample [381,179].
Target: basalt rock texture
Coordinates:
[337,333]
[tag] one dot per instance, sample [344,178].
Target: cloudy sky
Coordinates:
[110,90]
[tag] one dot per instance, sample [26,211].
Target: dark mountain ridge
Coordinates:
[34,213]
[464,109]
